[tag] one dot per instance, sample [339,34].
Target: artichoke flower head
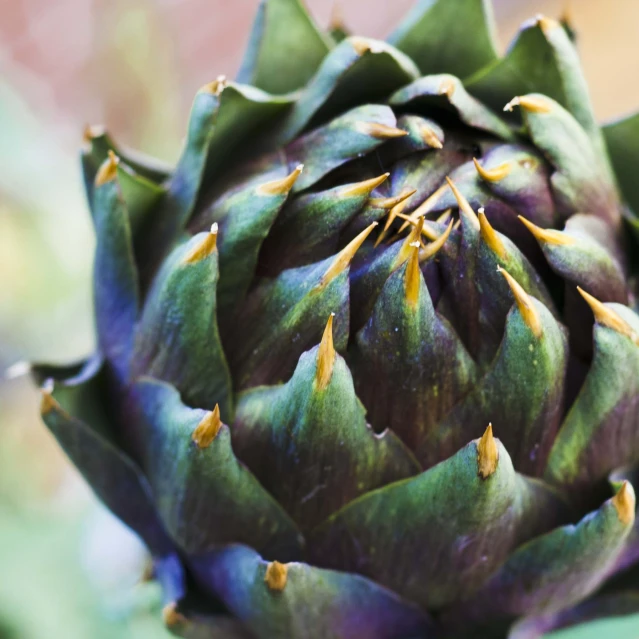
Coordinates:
[368,364]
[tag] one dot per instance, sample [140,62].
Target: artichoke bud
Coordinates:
[308,327]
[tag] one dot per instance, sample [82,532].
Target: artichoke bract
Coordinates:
[368,364]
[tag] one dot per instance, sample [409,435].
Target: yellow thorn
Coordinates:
[390,202]
[365,187]
[447,87]
[426,206]
[47,401]
[465,209]
[525,304]
[283,186]
[432,249]
[92,131]
[325,357]
[108,170]
[607,317]
[490,237]
[171,616]
[547,236]
[429,137]
[406,248]
[204,248]
[206,431]
[380,131]
[412,276]
[344,257]
[532,104]
[487,454]
[444,217]
[546,24]
[361,45]
[216,87]
[395,212]
[493,175]
[624,503]
[276,574]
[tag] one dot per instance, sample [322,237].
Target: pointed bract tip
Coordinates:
[412,276]
[365,187]
[465,209]
[283,186]
[547,236]
[530,103]
[325,357]
[379,131]
[361,45]
[490,236]
[493,175]
[92,131]
[344,257]
[47,401]
[447,87]
[546,24]
[624,503]
[108,170]
[216,87]
[208,428]
[487,454]
[429,136]
[433,248]
[607,317]
[390,202]
[528,312]
[276,575]
[171,616]
[205,248]
[427,205]
[395,212]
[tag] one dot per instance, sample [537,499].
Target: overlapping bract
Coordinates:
[305,328]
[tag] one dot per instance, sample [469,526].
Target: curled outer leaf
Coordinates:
[457,522]
[204,495]
[358,70]
[346,137]
[446,91]
[581,182]
[73,407]
[223,114]
[544,57]
[554,571]
[600,431]
[344,605]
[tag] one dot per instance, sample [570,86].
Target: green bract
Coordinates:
[308,330]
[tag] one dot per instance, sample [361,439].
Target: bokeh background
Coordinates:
[67,569]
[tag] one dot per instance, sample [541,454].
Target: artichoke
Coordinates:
[308,329]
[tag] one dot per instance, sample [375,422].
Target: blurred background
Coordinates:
[67,569]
